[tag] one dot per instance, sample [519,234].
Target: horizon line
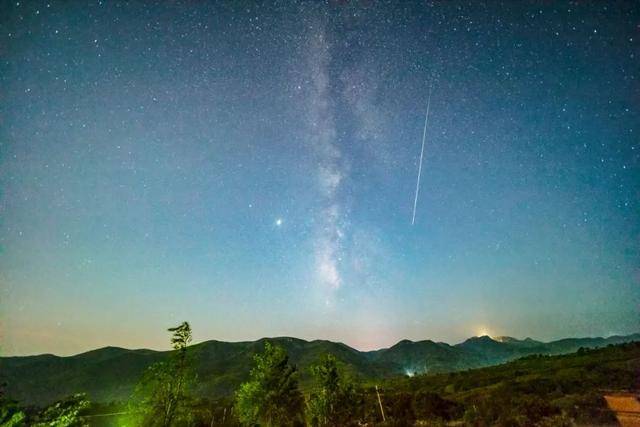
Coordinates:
[493,338]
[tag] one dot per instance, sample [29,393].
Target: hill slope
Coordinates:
[561,390]
[110,373]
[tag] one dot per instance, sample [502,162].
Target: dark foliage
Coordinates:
[536,390]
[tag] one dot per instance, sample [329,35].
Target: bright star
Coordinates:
[278,222]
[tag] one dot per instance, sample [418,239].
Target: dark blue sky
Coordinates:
[251,168]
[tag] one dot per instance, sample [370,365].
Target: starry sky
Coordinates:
[251,167]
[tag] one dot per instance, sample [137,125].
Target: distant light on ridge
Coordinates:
[482,331]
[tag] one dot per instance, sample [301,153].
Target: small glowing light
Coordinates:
[278,222]
[409,372]
[483,331]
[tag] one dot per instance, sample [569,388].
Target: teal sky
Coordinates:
[251,168]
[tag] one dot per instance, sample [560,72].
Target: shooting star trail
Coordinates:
[424,136]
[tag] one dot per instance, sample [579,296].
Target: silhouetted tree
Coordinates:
[271,396]
[161,396]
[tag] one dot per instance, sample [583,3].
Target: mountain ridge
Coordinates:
[500,338]
[110,373]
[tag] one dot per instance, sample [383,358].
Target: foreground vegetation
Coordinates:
[534,390]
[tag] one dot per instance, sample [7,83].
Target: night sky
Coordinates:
[251,168]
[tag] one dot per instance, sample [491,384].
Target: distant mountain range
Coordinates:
[110,373]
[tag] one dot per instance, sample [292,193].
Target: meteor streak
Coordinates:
[424,136]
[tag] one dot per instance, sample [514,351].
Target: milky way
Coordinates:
[251,168]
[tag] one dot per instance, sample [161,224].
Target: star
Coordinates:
[185,141]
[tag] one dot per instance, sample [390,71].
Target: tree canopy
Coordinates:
[335,401]
[271,397]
